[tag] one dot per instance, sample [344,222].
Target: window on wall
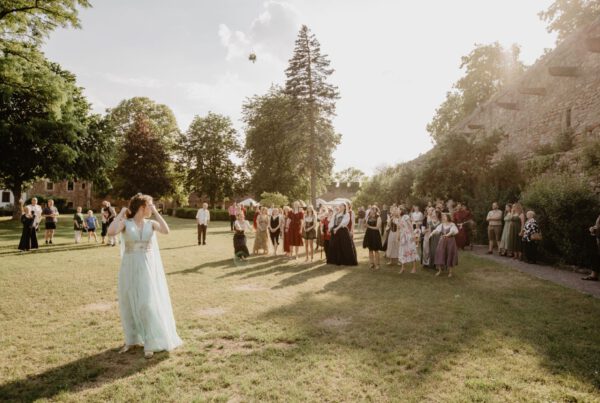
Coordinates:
[5,197]
[70,205]
[70,186]
[83,185]
[49,185]
[568,118]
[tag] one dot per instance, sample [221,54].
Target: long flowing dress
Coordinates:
[239,238]
[430,242]
[514,239]
[341,247]
[393,240]
[503,245]
[261,240]
[372,239]
[28,236]
[446,253]
[462,219]
[407,249]
[295,231]
[144,301]
[286,234]
[326,235]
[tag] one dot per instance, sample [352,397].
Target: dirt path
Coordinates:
[563,277]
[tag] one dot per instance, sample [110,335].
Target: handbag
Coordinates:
[537,236]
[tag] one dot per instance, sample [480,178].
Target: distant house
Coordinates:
[75,193]
[7,198]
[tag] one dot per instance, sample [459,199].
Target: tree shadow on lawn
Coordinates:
[199,268]
[50,249]
[430,321]
[89,372]
[272,266]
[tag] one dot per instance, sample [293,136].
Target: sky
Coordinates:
[394,61]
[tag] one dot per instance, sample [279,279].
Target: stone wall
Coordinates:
[560,92]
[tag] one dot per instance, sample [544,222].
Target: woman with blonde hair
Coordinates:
[341,247]
[296,216]
[309,232]
[144,301]
[503,245]
[275,224]
[531,235]
[392,248]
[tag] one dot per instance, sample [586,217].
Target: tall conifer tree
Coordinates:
[315,98]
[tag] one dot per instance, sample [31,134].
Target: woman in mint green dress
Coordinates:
[144,302]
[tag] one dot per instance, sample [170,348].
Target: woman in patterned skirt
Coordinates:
[446,254]
[407,249]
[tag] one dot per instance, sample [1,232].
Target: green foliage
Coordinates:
[143,164]
[590,155]
[206,149]
[160,117]
[564,141]
[567,16]
[314,103]
[349,175]
[273,198]
[215,215]
[274,144]
[487,69]
[565,209]
[46,130]
[540,164]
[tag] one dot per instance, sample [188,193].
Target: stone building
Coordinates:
[76,193]
[559,93]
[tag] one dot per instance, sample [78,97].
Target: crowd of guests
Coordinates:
[33,214]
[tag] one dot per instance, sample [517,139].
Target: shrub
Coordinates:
[590,155]
[215,215]
[565,208]
[273,198]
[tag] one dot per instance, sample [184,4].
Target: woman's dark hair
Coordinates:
[136,202]
[438,214]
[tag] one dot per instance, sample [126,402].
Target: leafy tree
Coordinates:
[160,117]
[144,163]
[207,149]
[46,130]
[567,16]
[273,145]
[350,175]
[314,98]
[273,198]
[487,68]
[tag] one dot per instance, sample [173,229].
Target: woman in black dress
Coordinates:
[341,247]
[372,239]
[28,236]
[275,229]
[240,226]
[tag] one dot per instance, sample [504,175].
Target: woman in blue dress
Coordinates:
[144,301]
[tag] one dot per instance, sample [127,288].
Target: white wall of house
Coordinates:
[7,198]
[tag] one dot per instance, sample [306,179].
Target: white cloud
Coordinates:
[271,34]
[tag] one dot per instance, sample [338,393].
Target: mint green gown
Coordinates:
[144,302]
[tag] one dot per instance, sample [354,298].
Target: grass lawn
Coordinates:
[276,330]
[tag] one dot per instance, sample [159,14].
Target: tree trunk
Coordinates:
[17,192]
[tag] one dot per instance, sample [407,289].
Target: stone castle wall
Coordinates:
[560,92]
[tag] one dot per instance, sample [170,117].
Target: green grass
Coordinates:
[275,330]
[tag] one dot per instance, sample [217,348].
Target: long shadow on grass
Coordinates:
[199,268]
[421,325]
[91,371]
[50,249]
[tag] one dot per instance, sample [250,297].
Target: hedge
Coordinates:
[215,215]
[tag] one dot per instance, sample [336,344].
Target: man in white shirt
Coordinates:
[202,218]
[37,210]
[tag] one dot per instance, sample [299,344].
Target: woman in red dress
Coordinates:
[296,216]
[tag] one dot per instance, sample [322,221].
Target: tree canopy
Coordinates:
[566,16]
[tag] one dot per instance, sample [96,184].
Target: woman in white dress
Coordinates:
[144,302]
[393,237]
[407,248]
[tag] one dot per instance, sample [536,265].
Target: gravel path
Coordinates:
[566,278]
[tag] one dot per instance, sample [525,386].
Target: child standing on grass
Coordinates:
[78,224]
[91,223]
